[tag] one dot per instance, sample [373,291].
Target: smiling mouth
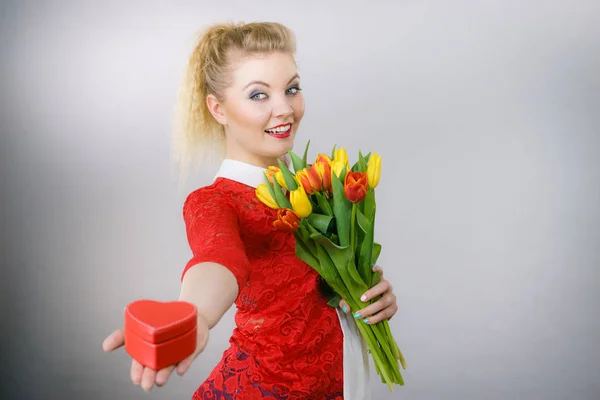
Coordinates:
[280,131]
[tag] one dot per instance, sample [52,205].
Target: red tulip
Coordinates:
[356,185]
[287,220]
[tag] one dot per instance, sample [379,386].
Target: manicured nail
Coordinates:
[365,320]
[357,315]
[345,309]
[363,298]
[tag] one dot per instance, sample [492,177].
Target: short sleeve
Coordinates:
[213,232]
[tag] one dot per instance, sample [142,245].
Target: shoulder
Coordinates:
[218,197]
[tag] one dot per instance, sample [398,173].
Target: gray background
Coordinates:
[486,114]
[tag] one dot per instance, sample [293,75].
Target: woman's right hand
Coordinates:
[148,377]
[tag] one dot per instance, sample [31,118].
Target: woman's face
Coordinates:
[262,108]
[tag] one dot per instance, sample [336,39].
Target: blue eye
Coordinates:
[293,90]
[257,96]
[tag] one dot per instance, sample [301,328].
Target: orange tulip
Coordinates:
[287,220]
[324,158]
[356,185]
[324,171]
[310,180]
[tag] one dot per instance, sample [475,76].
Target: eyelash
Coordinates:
[296,88]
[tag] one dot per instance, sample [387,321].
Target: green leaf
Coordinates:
[280,198]
[375,278]
[290,181]
[304,157]
[367,157]
[322,223]
[334,239]
[314,206]
[363,222]
[376,252]
[329,273]
[343,259]
[365,256]
[303,234]
[270,187]
[362,162]
[296,161]
[357,168]
[341,209]
[362,231]
[333,151]
[370,205]
[323,204]
[360,238]
[334,301]
[303,253]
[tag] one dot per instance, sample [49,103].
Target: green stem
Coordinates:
[377,349]
[396,349]
[378,358]
[387,351]
[353,228]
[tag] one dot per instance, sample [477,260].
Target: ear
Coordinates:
[216,109]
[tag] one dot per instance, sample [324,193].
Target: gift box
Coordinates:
[160,334]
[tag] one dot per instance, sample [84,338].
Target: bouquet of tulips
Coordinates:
[330,207]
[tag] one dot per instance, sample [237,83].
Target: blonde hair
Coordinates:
[197,136]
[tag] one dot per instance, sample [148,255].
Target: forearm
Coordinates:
[212,288]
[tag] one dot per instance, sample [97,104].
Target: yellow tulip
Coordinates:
[341,156]
[300,202]
[337,168]
[263,194]
[280,179]
[374,170]
[276,172]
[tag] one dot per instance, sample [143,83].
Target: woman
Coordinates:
[242,97]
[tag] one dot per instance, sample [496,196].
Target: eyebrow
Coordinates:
[296,76]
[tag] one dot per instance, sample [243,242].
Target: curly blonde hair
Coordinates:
[197,136]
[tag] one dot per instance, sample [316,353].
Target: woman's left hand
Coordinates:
[384,308]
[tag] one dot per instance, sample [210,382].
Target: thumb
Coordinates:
[114,340]
[344,306]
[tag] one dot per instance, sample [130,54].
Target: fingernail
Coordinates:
[345,309]
[363,298]
[365,320]
[357,315]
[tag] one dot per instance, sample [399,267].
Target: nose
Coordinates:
[282,107]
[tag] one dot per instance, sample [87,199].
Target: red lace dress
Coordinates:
[288,343]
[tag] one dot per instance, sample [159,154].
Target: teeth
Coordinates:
[281,129]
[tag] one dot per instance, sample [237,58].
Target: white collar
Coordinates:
[248,174]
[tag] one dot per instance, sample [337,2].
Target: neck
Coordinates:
[252,159]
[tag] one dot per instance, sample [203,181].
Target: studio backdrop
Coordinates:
[487,118]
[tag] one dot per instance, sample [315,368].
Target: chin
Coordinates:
[279,147]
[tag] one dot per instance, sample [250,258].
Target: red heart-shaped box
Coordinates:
[159,334]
